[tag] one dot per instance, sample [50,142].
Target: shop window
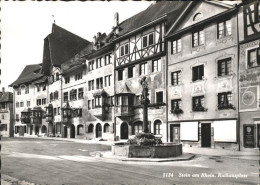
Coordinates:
[224,67]
[157,127]
[224,29]
[80,93]
[120,74]
[253,57]
[156,65]
[176,46]
[148,40]
[198,38]
[106,127]
[176,78]
[197,73]
[131,71]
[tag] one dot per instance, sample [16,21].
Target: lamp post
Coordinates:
[145,101]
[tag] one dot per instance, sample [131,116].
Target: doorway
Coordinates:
[175,133]
[98,130]
[206,135]
[124,131]
[258,135]
[72,131]
[31,129]
[65,132]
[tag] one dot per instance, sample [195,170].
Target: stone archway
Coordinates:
[124,131]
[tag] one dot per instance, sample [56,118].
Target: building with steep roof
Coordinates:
[6,113]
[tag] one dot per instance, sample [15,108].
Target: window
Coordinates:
[65,96]
[176,46]
[73,94]
[253,57]
[120,74]
[108,80]
[43,101]
[224,29]
[143,70]
[108,59]
[175,104]
[197,16]
[138,100]
[124,50]
[138,127]
[224,67]
[93,103]
[28,103]
[27,89]
[157,127]
[131,71]
[78,76]
[110,100]
[19,91]
[38,88]
[147,40]
[91,85]
[91,65]
[58,110]
[21,104]
[98,101]
[77,112]
[176,78]
[198,103]
[89,104]
[43,87]
[197,73]
[90,128]
[3,127]
[80,130]
[57,76]
[17,116]
[80,93]
[3,116]
[99,62]
[225,100]
[124,100]
[106,127]
[159,97]
[56,95]
[51,96]
[156,65]
[67,79]
[17,104]
[55,111]
[99,83]
[198,38]
[38,101]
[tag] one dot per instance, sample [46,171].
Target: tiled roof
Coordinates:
[29,74]
[152,13]
[62,45]
[6,97]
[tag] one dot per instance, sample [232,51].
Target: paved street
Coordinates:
[62,162]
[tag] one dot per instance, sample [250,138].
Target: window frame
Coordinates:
[147,36]
[73,94]
[158,65]
[198,73]
[257,50]
[198,33]
[225,29]
[178,46]
[227,62]
[81,93]
[140,68]
[121,75]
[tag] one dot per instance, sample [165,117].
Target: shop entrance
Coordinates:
[206,135]
[175,133]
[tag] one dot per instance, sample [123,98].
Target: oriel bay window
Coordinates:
[198,38]
[148,40]
[176,78]
[253,57]
[224,67]
[176,46]
[156,65]
[224,29]
[73,94]
[198,104]
[197,73]
[225,101]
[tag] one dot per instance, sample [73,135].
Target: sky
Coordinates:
[25,24]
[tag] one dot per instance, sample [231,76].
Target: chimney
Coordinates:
[95,40]
[116,19]
[3,90]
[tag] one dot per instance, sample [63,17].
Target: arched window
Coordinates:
[44,129]
[138,127]
[106,127]
[157,127]
[90,128]
[80,130]
[197,16]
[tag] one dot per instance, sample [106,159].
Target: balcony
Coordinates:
[124,110]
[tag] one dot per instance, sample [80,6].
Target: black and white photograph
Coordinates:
[130,92]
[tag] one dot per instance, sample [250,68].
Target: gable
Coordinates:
[198,12]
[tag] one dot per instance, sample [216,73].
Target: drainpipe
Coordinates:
[166,76]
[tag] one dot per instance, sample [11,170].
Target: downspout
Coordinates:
[166,76]
[61,98]
[238,74]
